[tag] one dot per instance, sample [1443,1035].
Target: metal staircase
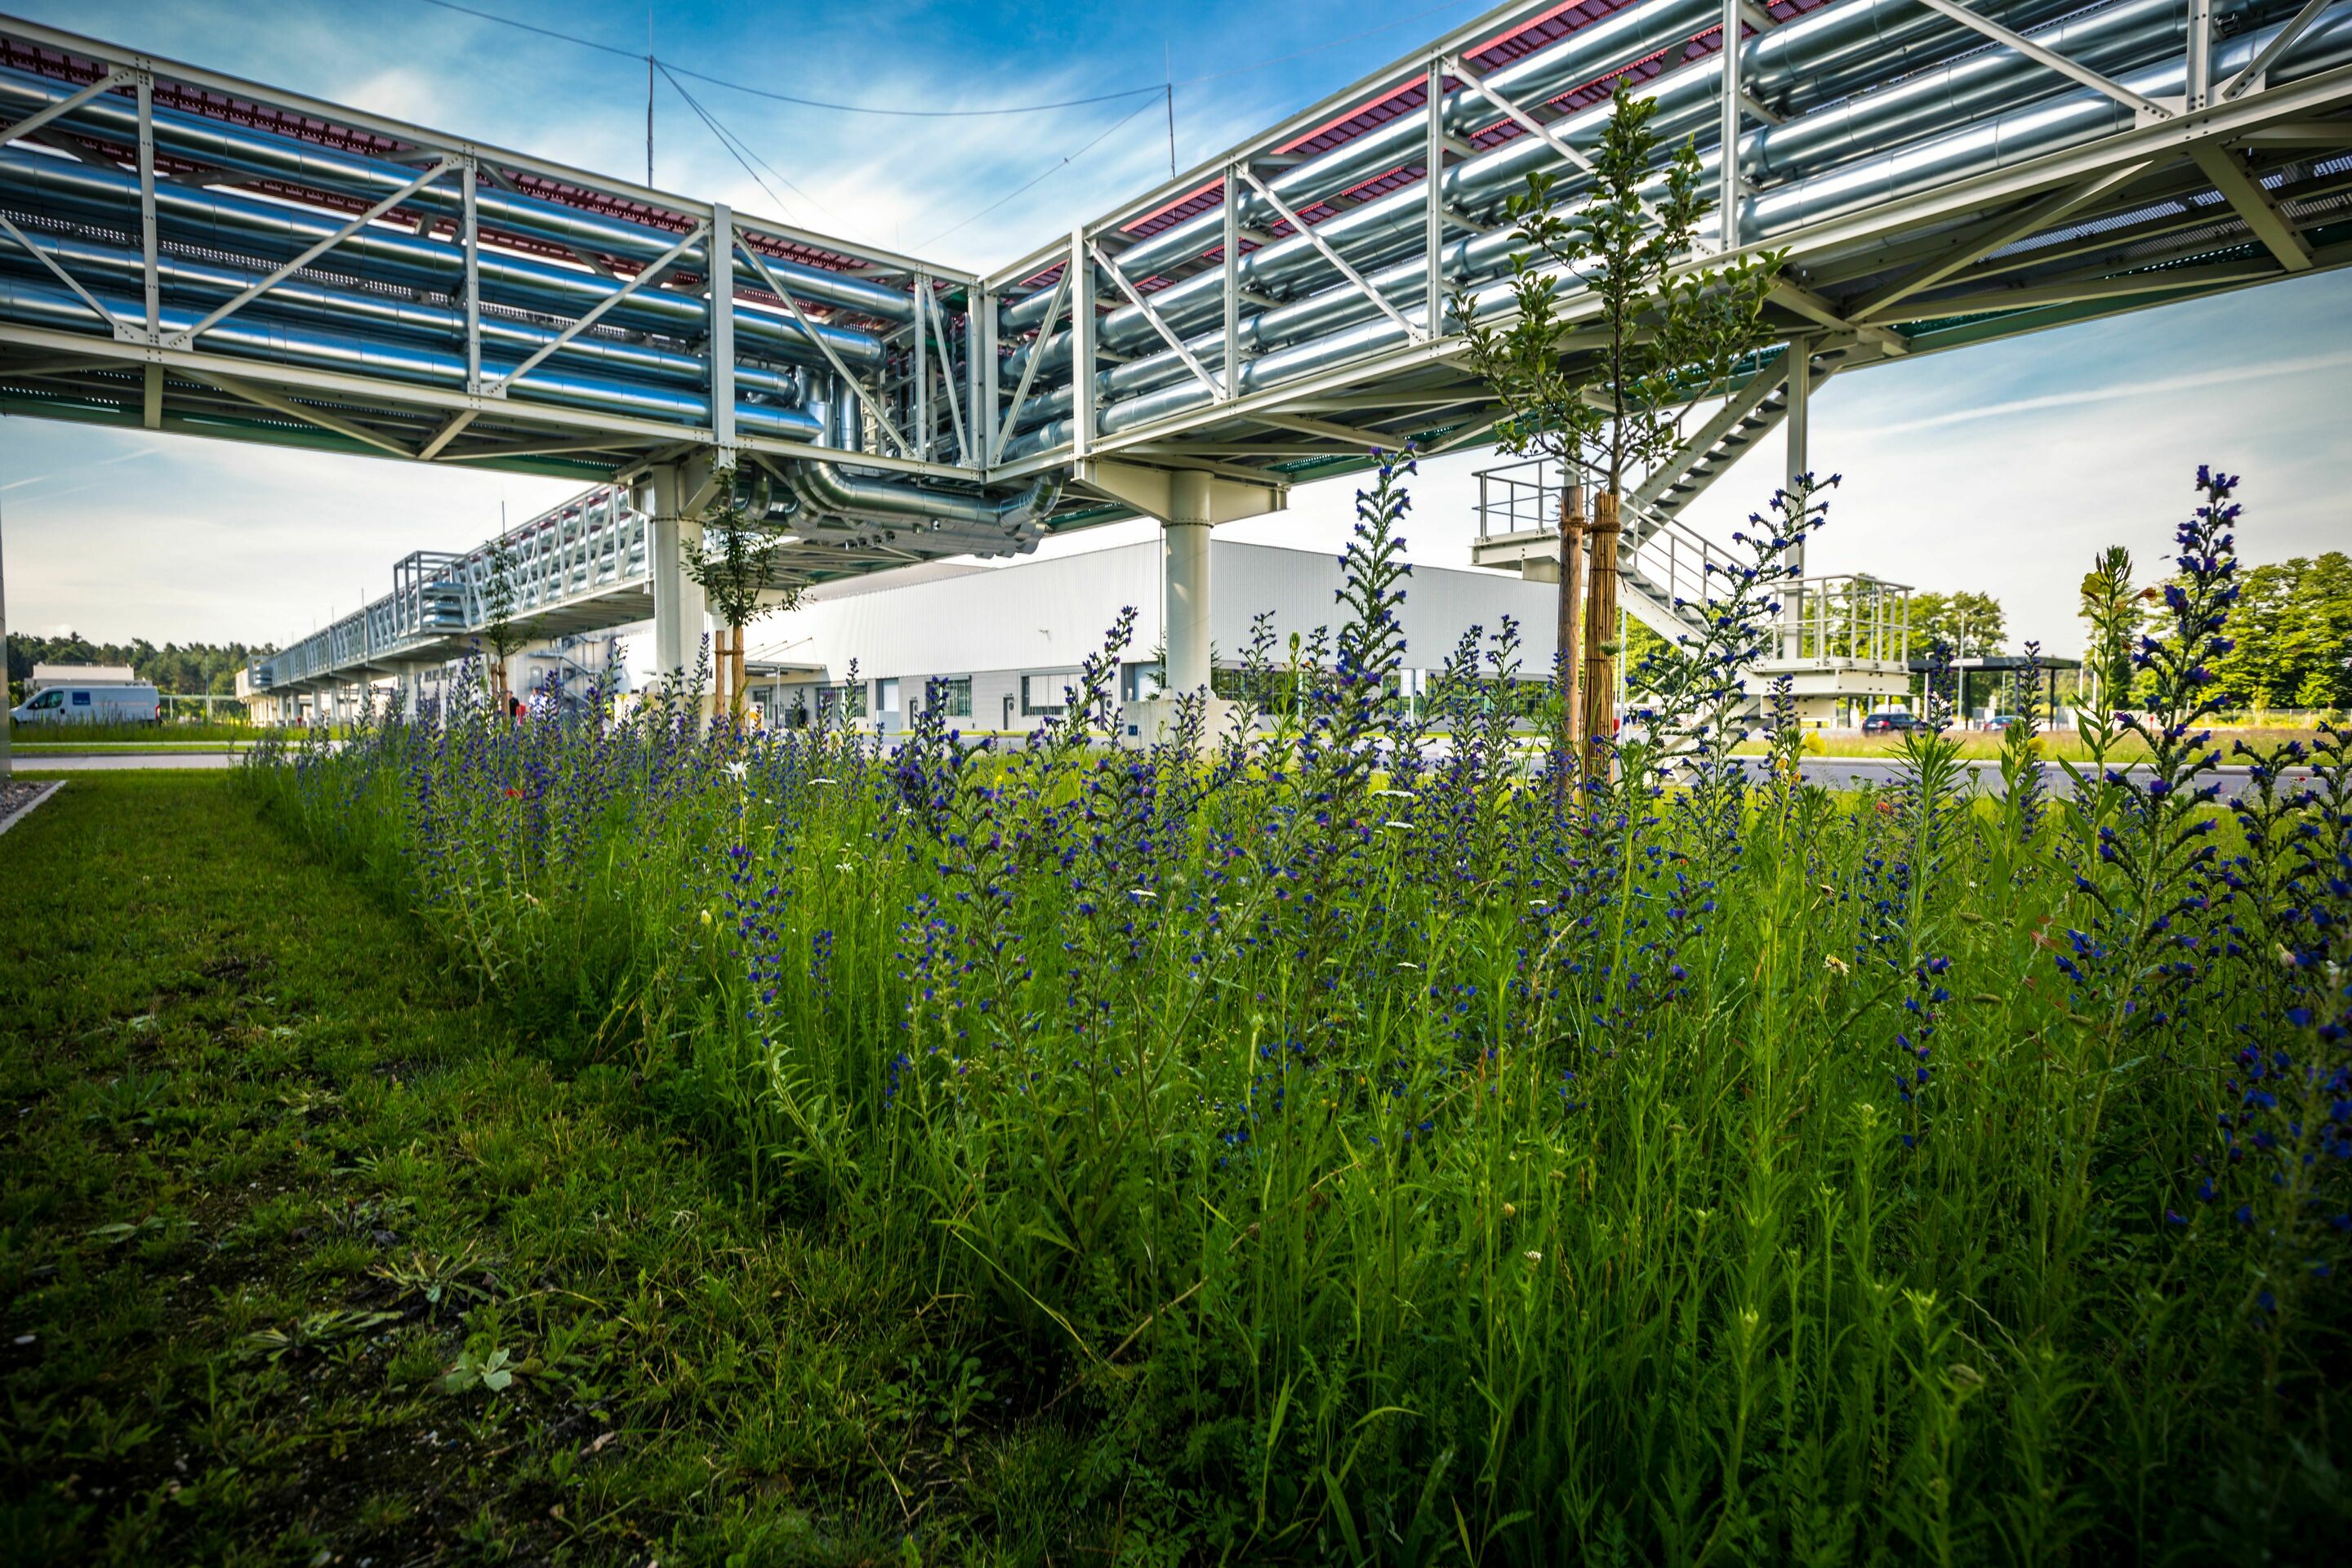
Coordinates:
[1843,641]
[1662,561]
[1677,486]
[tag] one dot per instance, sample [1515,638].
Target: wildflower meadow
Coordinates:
[1352,1133]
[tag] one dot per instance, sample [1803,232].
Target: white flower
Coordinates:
[1533,1257]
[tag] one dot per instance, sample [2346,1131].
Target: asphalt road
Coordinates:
[1847,772]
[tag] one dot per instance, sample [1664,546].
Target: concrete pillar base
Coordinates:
[1153,719]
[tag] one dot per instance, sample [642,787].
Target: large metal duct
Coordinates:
[249,151]
[2067,119]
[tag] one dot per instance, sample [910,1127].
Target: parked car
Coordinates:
[90,705]
[2003,720]
[1889,721]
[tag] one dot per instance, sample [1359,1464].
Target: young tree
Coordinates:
[734,563]
[1669,335]
[1972,625]
[505,635]
[2108,603]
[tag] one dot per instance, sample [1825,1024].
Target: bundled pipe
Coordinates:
[1689,100]
[969,522]
[1807,60]
[262,338]
[2067,119]
[245,150]
[184,281]
[219,221]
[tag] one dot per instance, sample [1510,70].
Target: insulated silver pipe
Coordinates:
[1813,57]
[827,490]
[2026,133]
[2070,119]
[218,221]
[243,149]
[1589,51]
[2120,36]
[1993,81]
[276,342]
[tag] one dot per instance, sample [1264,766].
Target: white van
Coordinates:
[90,705]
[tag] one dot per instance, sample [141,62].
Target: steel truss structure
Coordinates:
[183,250]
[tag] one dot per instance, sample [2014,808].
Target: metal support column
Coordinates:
[2201,55]
[151,276]
[1727,163]
[1082,347]
[1800,387]
[1230,376]
[721,291]
[1432,202]
[1185,551]
[980,345]
[922,366]
[468,175]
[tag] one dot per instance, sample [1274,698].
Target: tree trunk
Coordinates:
[1571,591]
[1601,622]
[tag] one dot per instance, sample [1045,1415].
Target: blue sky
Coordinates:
[1998,469]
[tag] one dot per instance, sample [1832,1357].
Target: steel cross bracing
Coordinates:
[183,250]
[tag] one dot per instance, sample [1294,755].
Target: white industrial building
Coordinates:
[1009,640]
[45,676]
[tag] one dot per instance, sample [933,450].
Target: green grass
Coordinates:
[130,734]
[49,748]
[1377,1167]
[273,1170]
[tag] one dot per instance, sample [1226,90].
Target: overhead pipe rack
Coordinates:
[183,250]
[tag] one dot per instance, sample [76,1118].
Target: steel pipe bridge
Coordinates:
[183,250]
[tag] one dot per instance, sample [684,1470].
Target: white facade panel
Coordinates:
[1045,615]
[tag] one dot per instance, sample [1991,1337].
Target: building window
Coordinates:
[1046,693]
[886,697]
[953,694]
[1141,682]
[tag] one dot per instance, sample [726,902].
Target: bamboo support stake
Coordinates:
[1572,593]
[1599,610]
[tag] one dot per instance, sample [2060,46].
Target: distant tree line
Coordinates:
[2293,630]
[196,668]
